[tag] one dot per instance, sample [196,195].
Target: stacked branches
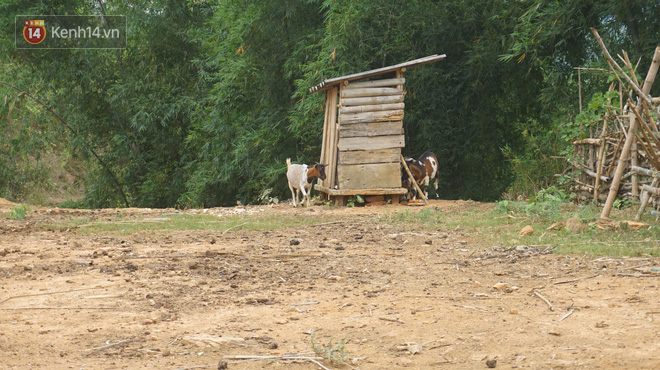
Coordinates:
[623,158]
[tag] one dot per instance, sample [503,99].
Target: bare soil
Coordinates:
[397,298]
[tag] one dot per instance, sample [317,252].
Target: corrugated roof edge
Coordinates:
[374,72]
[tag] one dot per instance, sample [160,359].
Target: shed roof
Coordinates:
[374,72]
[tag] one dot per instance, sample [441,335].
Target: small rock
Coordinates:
[429,242]
[193,265]
[500,286]
[210,253]
[491,363]
[403,361]
[527,230]
[554,332]
[272,345]
[222,365]
[334,278]
[294,242]
[339,248]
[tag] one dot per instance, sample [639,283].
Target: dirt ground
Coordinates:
[397,298]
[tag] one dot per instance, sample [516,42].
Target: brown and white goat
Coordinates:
[423,170]
[300,177]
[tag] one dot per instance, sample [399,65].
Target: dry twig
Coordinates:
[52,292]
[536,293]
[578,279]
[569,313]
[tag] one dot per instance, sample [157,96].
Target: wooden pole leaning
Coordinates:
[625,152]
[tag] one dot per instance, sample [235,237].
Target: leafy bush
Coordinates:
[18,213]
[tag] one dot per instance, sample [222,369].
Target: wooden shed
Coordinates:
[363,131]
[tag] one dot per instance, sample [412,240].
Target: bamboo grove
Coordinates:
[209,98]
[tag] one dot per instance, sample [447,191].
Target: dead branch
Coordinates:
[52,292]
[536,293]
[569,313]
[578,279]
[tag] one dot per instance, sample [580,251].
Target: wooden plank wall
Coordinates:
[329,151]
[370,134]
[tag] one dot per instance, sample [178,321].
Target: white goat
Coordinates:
[300,177]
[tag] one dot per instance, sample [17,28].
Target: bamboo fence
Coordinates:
[622,158]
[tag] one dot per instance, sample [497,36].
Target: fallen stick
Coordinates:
[578,279]
[569,313]
[58,308]
[248,358]
[52,292]
[304,304]
[98,349]
[627,275]
[473,307]
[197,367]
[536,293]
[267,357]
[233,227]
[392,319]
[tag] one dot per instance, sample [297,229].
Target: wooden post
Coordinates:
[332,138]
[621,165]
[421,193]
[580,88]
[633,159]
[645,198]
[601,158]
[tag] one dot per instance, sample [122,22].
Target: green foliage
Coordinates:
[545,205]
[18,212]
[209,99]
[622,203]
[333,352]
[352,201]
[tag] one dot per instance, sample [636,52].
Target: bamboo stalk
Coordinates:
[648,82]
[651,189]
[643,93]
[601,160]
[645,198]
[633,161]
[647,172]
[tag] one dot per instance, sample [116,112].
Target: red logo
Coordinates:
[34,31]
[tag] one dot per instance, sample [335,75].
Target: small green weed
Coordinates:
[335,353]
[18,213]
